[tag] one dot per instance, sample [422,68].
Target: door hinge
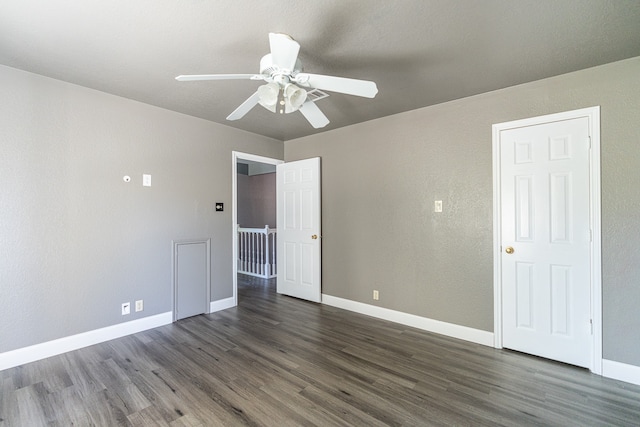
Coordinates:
[591,325]
[589,141]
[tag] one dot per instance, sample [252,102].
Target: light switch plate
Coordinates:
[437,206]
[146,180]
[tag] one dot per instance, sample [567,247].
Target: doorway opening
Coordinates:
[254,218]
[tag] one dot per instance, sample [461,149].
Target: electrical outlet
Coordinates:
[126,308]
[139,305]
[376,295]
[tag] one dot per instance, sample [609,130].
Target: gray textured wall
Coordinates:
[380,178]
[76,241]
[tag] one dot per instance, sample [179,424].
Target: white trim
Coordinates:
[596,244]
[443,328]
[35,352]
[235,156]
[222,304]
[621,371]
[593,115]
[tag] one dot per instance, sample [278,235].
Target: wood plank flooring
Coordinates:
[279,361]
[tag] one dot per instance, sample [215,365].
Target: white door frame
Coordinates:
[593,115]
[237,155]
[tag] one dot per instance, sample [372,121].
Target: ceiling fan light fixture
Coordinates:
[287,87]
[294,97]
[268,96]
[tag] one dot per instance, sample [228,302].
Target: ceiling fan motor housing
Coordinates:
[275,73]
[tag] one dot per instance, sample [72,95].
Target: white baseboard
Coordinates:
[35,352]
[222,304]
[443,328]
[621,371]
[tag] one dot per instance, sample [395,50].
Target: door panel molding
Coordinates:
[593,116]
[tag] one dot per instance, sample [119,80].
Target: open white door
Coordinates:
[298,223]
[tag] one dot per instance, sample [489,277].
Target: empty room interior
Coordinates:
[452,235]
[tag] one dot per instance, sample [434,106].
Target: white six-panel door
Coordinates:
[545,248]
[298,224]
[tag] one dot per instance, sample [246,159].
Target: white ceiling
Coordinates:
[419,52]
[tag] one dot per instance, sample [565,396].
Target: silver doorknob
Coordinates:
[509,250]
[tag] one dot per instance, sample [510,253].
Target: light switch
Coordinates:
[146,180]
[437,206]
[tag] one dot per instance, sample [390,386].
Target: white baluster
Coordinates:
[267,266]
[254,250]
[251,252]
[244,251]
[274,262]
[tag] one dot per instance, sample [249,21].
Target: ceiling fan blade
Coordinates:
[313,114]
[245,107]
[355,87]
[197,77]
[284,51]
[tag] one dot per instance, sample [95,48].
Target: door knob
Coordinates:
[314,237]
[509,250]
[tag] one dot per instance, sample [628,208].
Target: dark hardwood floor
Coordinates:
[279,361]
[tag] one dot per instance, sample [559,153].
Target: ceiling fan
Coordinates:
[287,88]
